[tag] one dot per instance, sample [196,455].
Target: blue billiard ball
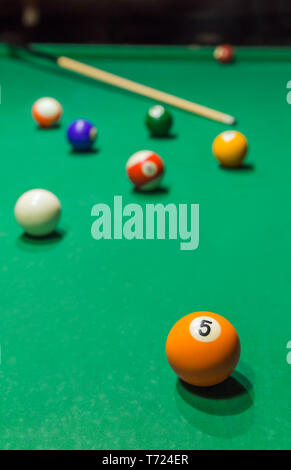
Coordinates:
[81,134]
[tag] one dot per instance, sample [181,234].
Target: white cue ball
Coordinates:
[38,211]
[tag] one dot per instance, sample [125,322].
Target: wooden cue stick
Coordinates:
[115,80]
[134,87]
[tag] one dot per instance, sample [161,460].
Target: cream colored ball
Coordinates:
[38,211]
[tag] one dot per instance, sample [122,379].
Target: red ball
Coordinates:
[145,169]
[224,53]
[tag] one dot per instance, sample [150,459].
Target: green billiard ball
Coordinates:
[159,121]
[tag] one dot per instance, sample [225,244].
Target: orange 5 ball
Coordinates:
[203,348]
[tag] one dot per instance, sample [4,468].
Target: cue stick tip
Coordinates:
[229,119]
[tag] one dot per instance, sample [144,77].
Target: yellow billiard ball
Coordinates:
[230,148]
[203,348]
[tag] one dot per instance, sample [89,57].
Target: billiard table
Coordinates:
[83,321]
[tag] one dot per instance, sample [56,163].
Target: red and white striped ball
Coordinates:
[145,170]
[224,53]
[47,112]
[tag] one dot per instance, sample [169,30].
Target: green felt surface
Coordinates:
[84,322]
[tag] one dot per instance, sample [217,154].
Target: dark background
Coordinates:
[242,22]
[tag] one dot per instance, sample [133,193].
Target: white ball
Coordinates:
[38,211]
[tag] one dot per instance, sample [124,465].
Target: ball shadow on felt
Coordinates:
[169,136]
[243,167]
[152,192]
[224,410]
[84,152]
[29,243]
